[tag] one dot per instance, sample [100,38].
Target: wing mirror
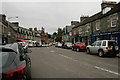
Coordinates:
[28,51]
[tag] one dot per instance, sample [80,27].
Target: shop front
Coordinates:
[107,36]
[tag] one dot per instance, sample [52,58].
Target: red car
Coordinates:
[79,46]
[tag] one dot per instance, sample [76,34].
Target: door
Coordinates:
[97,47]
[92,47]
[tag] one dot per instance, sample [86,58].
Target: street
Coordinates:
[52,62]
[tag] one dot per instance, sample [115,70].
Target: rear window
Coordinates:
[112,43]
[7,58]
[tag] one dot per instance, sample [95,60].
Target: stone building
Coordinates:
[44,36]
[11,31]
[108,27]
[8,32]
[103,25]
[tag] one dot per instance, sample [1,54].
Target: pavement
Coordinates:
[52,62]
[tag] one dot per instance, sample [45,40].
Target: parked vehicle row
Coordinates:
[58,44]
[79,46]
[101,47]
[34,43]
[67,45]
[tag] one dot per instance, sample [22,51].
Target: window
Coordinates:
[104,43]
[94,44]
[99,43]
[87,28]
[97,24]
[114,19]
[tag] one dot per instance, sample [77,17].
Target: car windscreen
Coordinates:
[82,43]
[112,43]
[7,58]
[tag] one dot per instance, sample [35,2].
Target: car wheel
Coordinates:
[101,53]
[78,49]
[88,51]
[28,74]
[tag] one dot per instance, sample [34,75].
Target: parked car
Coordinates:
[34,43]
[15,63]
[38,44]
[103,47]
[30,44]
[58,44]
[24,45]
[79,46]
[67,45]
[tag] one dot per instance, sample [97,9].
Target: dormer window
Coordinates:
[106,10]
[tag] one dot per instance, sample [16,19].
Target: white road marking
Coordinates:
[68,57]
[52,51]
[107,70]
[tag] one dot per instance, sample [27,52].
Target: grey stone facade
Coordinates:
[10,32]
[103,25]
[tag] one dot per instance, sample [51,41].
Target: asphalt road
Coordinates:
[52,62]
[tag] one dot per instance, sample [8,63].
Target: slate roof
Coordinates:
[100,15]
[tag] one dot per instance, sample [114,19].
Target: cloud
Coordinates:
[49,15]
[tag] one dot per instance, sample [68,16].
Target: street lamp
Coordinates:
[9,32]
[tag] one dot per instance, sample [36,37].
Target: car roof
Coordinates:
[106,40]
[80,42]
[12,46]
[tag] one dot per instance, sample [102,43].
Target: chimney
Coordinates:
[107,4]
[15,23]
[82,18]
[3,16]
[35,29]
[30,29]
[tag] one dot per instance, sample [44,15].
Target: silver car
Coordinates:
[68,45]
[103,47]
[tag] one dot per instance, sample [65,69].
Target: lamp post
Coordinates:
[9,32]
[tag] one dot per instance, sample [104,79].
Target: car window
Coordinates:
[112,43]
[82,43]
[94,44]
[104,43]
[99,43]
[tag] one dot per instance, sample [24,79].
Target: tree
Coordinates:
[54,35]
[59,35]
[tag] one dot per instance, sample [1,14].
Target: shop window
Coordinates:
[98,38]
[114,37]
[104,38]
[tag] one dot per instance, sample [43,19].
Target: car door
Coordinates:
[97,47]
[92,47]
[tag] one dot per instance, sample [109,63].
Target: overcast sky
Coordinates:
[49,14]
